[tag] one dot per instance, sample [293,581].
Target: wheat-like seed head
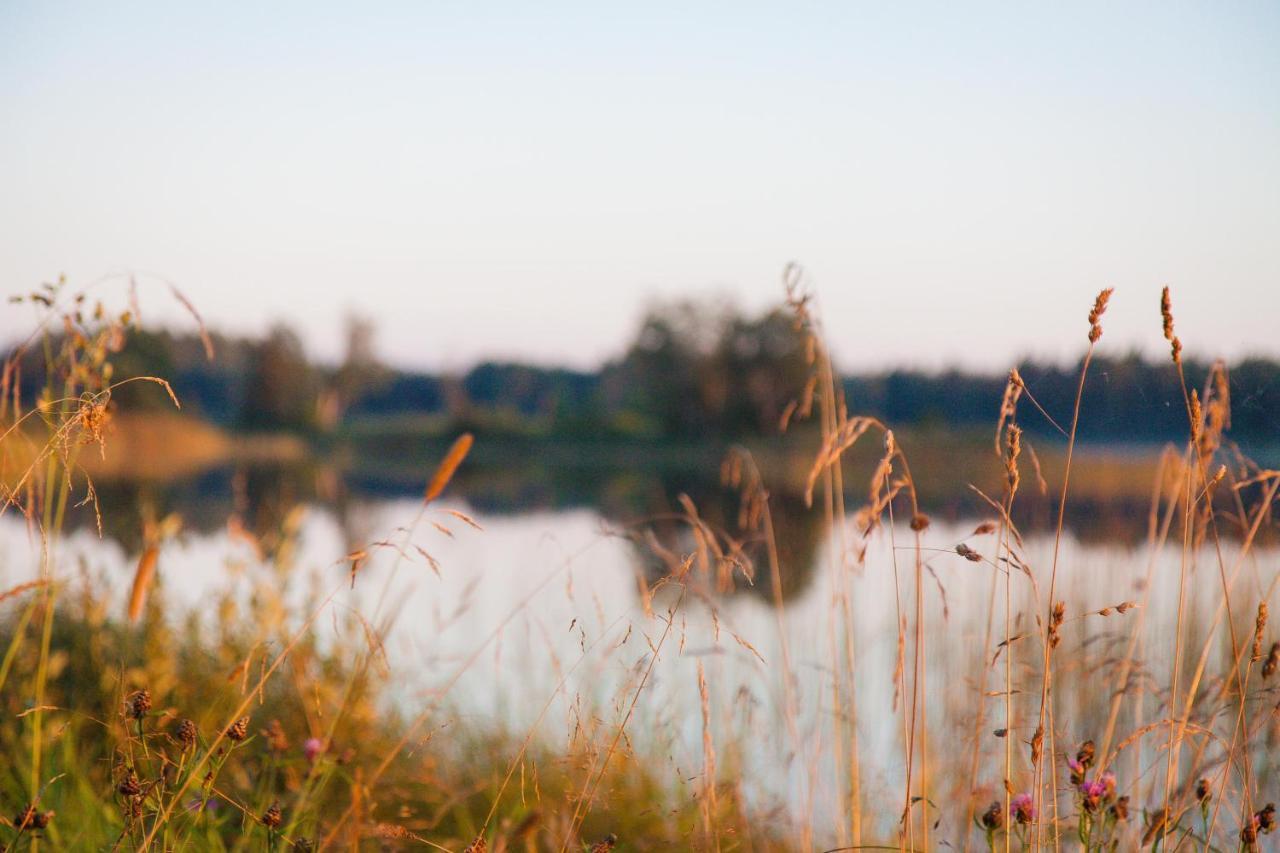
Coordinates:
[1166,314]
[1095,316]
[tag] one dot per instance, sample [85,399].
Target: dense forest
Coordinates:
[691,372]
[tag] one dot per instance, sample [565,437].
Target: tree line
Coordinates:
[691,372]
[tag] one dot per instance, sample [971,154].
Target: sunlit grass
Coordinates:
[1059,717]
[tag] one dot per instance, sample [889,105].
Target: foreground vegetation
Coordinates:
[1068,719]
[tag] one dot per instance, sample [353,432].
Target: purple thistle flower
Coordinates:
[1109,783]
[1022,809]
[312,748]
[1096,788]
[1095,792]
[1077,771]
[1092,793]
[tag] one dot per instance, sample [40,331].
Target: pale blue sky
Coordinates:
[518,180]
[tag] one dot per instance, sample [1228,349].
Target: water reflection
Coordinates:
[629,494]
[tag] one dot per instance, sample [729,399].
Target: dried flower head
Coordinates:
[31,818]
[239,730]
[272,817]
[1085,754]
[605,844]
[1120,808]
[185,733]
[1267,819]
[919,522]
[133,808]
[1273,660]
[277,740]
[968,553]
[993,817]
[138,704]
[1203,791]
[477,846]
[129,785]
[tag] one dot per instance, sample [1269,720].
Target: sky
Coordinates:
[520,181]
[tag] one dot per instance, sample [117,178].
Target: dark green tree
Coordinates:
[282,386]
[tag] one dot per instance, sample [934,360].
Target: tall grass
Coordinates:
[1034,711]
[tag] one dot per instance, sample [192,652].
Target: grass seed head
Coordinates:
[1259,627]
[1166,314]
[448,466]
[1011,458]
[1095,316]
[1055,622]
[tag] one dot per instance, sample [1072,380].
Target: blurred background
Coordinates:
[564,228]
[347,236]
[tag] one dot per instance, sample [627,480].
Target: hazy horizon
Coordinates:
[511,184]
[183,323]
